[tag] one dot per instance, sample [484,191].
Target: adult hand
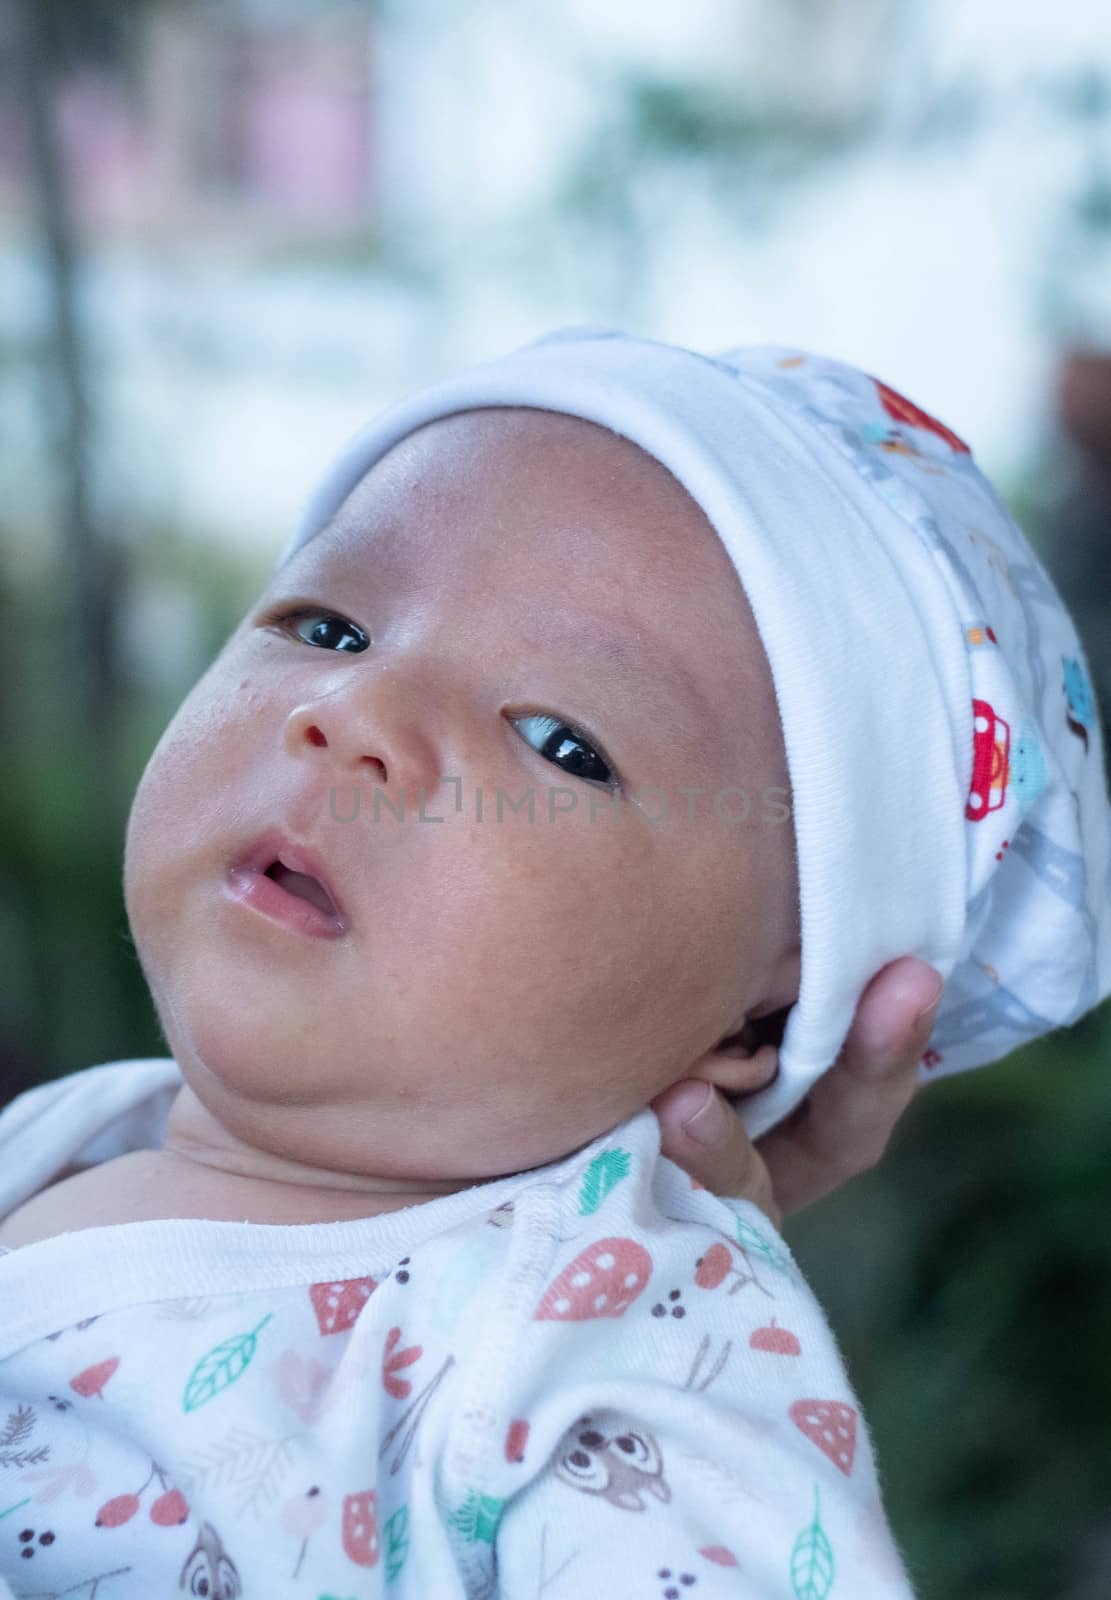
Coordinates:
[840,1129]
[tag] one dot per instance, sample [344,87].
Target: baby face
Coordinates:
[510,602]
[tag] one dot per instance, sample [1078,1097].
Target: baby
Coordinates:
[551,759]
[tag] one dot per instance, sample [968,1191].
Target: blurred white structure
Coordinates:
[231,365]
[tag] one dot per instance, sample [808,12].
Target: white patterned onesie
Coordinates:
[594,1378]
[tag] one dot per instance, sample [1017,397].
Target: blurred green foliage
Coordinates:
[78,995]
[968,1279]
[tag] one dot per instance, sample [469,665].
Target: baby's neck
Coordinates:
[201,1157]
[196,1189]
[152,1185]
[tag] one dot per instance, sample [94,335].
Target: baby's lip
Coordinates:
[276,845]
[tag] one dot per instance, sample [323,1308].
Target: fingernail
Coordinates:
[710,1120]
[933,1002]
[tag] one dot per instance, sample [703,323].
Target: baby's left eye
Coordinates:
[556,741]
[327,631]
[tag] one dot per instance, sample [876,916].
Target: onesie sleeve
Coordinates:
[84,1117]
[719,1452]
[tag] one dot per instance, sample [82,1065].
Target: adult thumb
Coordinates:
[702,1133]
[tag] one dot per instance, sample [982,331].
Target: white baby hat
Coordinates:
[949,790]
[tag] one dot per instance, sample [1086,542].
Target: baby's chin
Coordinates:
[284,1102]
[375,1090]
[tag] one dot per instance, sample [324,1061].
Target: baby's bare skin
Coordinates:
[506,990]
[151,1184]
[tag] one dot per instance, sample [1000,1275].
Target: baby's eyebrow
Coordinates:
[649,664]
[623,648]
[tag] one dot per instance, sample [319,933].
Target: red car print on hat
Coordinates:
[991,749]
[901,409]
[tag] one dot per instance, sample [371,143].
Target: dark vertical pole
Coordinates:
[86,579]
[72,725]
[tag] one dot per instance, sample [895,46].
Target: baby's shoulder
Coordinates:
[129,1188]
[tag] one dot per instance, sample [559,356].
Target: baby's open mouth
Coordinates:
[303,886]
[276,872]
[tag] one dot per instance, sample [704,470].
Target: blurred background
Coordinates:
[230,232]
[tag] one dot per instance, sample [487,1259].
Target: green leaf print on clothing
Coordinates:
[604,1173]
[812,1560]
[477,1517]
[750,1239]
[221,1367]
[397,1542]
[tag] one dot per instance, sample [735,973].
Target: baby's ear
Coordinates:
[737,1073]
[747,1060]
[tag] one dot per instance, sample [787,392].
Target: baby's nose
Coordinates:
[326,727]
[380,732]
[316,735]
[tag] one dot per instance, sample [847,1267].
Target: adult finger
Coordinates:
[843,1126]
[705,1136]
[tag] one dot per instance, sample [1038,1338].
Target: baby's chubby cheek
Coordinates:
[507,987]
[530,1003]
[197,797]
[186,805]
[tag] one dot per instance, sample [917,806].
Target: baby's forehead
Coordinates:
[490,452]
[539,487]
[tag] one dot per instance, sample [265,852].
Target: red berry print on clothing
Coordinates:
[93,1379]
[391,1363]
[337,1305]
[716,1264]
[900,409]
[831,1425]
[719,1555]
[360,1528]
[113,1513]
[170,1509]
[713,1267]
[516,1440]
[603,1281]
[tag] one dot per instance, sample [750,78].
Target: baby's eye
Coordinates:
[559,742]
[328,631]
